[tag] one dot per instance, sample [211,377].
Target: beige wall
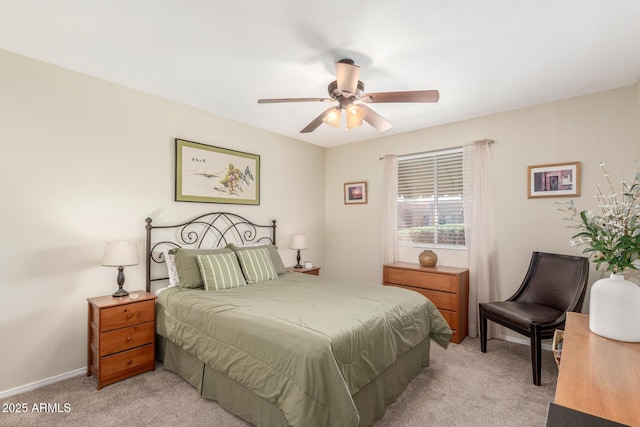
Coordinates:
[638,110]
[590,129]
[84,162]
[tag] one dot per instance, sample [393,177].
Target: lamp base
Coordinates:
[120,280]
[298,265]
[120,293]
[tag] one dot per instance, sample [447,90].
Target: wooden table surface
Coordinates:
[598,375]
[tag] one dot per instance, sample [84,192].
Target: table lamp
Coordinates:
[298,242]
[120,254]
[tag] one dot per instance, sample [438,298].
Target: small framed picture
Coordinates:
[355,192]
[554,180]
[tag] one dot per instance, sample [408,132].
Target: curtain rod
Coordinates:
[485,140]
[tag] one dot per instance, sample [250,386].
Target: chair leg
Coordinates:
[536,354]
[483,332]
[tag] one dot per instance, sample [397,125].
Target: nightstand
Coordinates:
[121,337]
[314,271]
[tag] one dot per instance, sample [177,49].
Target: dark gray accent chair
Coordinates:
[554,285]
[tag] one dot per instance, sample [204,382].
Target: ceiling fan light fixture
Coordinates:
[355,115]
[347,74]
[332,118]
[348,92]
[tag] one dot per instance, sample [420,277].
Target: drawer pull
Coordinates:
[129,362]
[130,315]
[129,338]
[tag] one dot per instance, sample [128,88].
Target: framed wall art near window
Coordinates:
[355,193]
[554,180]
[216,175]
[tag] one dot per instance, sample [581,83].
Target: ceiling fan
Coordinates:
[348,92]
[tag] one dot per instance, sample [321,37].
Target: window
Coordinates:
[430,205]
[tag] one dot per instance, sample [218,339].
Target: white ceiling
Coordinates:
[484,56]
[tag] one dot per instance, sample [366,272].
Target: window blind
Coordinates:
[430,205]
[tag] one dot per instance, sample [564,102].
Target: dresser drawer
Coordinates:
[126,338]
[123,365]
[442,300]
[452,320]
[421,279]
[126,315]
[451,317]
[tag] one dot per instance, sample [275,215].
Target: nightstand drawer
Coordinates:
[123,365]
[126,315]
[126,338]
[440,282]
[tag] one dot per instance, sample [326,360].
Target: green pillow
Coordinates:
[187,265]
[220,271]
[256,265]
[273,254]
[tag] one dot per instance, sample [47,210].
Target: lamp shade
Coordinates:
[298,241]
[355,115]
[332,118]
[117,254]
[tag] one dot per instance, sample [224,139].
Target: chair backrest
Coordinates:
[558,281]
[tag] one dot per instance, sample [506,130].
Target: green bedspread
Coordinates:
[302,342]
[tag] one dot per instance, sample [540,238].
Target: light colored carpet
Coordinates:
[462,387]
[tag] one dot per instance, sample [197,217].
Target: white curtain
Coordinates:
[389,209]
[479,227]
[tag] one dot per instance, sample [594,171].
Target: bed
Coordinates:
[281,348]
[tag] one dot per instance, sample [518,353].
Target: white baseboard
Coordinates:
[41,383]
[523,341]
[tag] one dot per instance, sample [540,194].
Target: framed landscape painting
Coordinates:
[216,175]
[554,180]
[355,192]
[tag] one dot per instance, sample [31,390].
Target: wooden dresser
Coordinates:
[598,377]
[446,287]
[121,337]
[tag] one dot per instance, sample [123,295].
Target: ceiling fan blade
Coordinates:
[275,100]
[316,122]
[347,74]
[408,96]
[375,119]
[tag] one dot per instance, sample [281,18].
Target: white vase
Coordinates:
[614,309]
